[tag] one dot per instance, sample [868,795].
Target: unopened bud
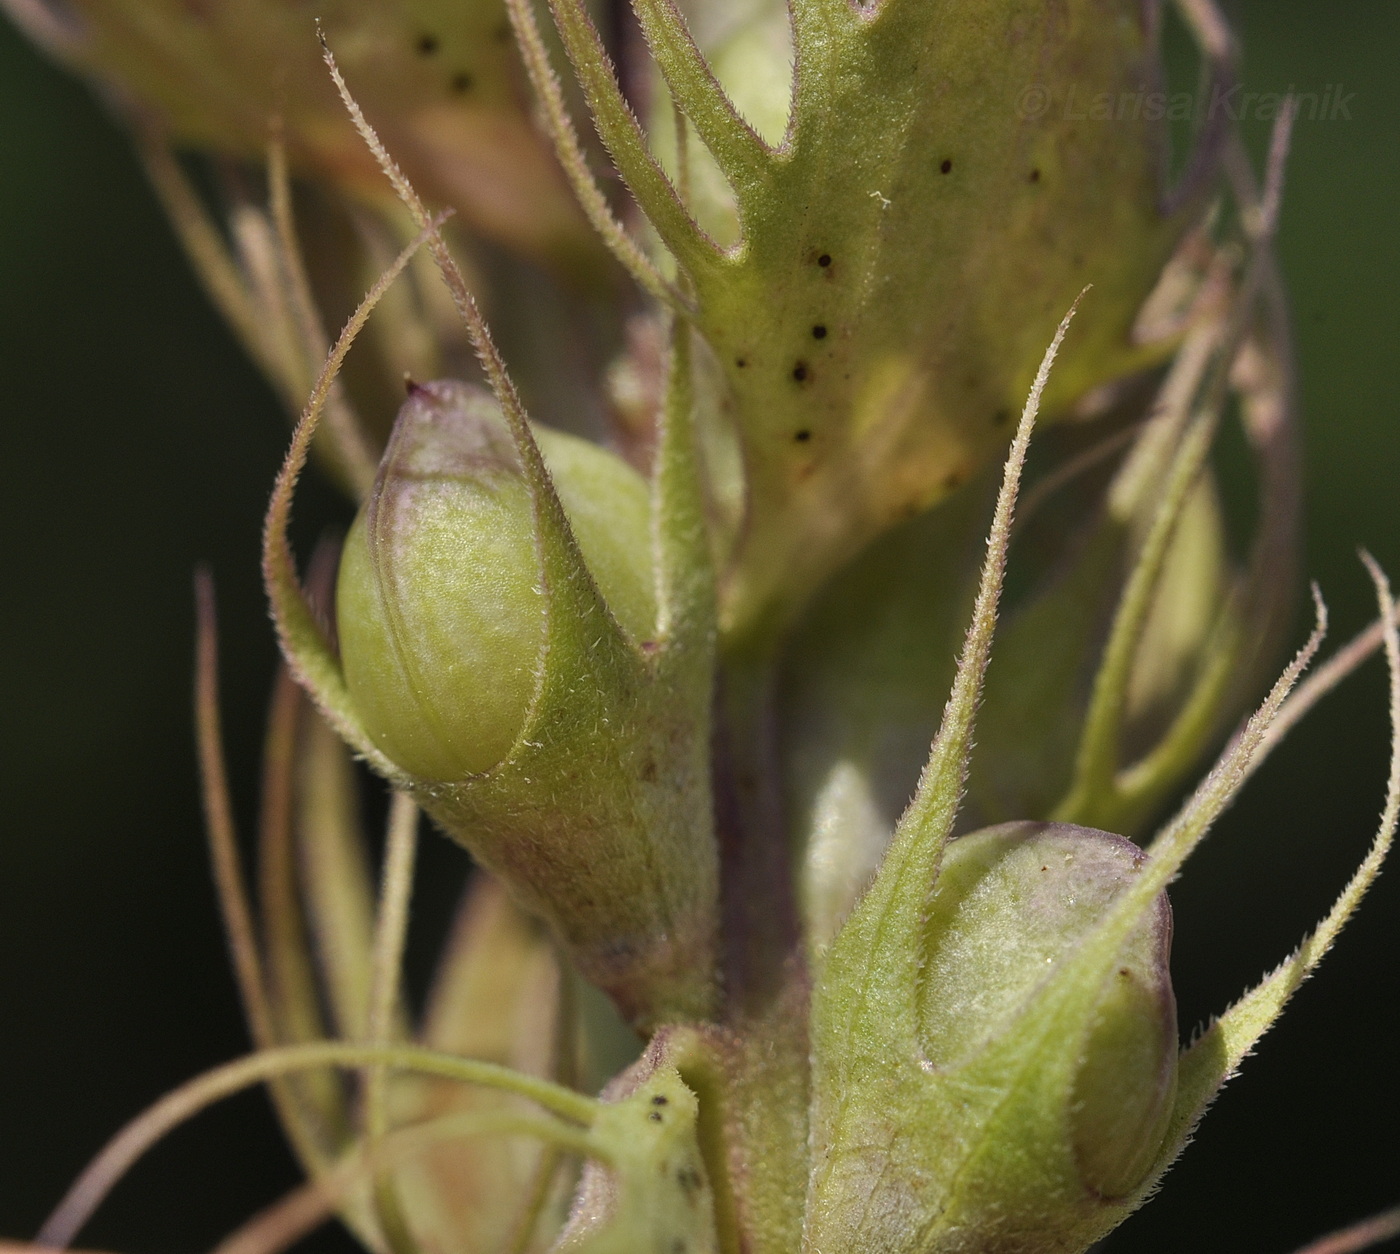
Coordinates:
[440,605]
[1031,1095]
[1014,906]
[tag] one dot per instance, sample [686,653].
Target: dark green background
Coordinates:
[137,442]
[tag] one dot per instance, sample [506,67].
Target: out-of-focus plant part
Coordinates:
[442,81]
[285,217]
[702,706]
[497,994]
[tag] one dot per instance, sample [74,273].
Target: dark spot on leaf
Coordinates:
[946,165]
[1045,868]
[427,45]
[824,260]
[659,1100]
[655,1116]
[1035,176]
[741,362]
[648,646]
[1123,971]
[953,481]
[1001,418]
[819,332]
[802,436]
[689,1180]
[461,83]
[799,372]
[648,776]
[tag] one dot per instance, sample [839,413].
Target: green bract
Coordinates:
[654,1194]
[904,252]
[594,802]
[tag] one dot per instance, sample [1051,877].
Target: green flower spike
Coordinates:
[904,253]
[580,775]
[994,1044]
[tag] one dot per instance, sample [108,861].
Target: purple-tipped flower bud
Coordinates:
[501,648]
[440,602]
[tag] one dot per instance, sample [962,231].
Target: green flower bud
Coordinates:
[1034,1093]
[505,660]
[1012,905]
[440,606]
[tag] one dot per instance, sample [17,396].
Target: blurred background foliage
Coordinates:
[136,442]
